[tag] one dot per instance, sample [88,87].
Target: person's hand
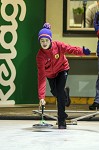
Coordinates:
[42,102]
[96,23]
[86,51]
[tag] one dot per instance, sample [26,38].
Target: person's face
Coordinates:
[45,43]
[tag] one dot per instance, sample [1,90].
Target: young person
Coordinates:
[53,65]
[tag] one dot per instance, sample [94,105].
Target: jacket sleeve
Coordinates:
[89,19]
[75,50]
[96,23]
[41,77]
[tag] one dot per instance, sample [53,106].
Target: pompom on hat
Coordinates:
[45,32]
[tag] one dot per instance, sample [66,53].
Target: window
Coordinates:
[75,18]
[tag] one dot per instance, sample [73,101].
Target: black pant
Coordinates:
[57,86]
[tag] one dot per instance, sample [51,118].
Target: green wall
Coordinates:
[24,62]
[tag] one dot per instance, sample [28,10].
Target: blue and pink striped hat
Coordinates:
[45,32]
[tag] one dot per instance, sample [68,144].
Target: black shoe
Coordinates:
[94,106]
[68,100]
[62,125]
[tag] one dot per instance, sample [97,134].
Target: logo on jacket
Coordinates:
[56,56]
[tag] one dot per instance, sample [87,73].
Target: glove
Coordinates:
[86,51]
[98,48]
[42,102]
[96,23]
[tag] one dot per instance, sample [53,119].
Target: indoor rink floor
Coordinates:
[20,135]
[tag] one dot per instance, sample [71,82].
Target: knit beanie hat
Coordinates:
[45,32]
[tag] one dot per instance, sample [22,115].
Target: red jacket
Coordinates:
[52,61]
